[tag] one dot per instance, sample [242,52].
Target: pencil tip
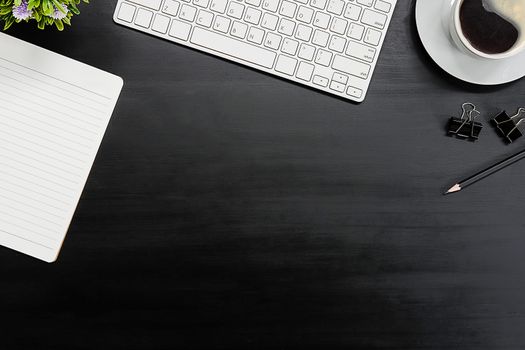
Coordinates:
[455,188]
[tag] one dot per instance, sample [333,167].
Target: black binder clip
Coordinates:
[465,127]
[510,128]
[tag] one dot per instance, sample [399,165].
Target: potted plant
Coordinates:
[43,12]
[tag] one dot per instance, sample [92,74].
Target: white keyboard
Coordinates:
[330,45]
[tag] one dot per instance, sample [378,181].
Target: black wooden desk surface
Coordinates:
[228,209]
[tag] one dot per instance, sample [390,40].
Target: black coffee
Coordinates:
[486,31]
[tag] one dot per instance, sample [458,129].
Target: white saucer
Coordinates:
[432,19]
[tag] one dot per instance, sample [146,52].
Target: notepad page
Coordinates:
[53,114]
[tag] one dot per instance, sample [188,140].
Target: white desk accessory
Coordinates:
[330,45]
[54,112]
[433,24]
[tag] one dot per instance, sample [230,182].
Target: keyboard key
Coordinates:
[354,92]
[374,19]
[306,52]
[303,32]
[288,9]
[337,44]
[239,29]
[205,18]
[269,21]
[289,46]
[255,3]
[360,51]
[334,85]
[320,38]
[232,47]
[286,27]
[285,64]
[321,20]
[252,16]
[372,37]
[143,18]
[218,5]
[161,24]
[235,10]
[320,4]
[222,24]
[126,12]
[305,14]
[382,6]
[365,2]
[351,66]
[201,3]
[356,31]
[339,25]
[305,71]
[272,40]
[323,57]
[340,78]
[256,35]
[352,11]
[270,5]
[336,7]
[171,7]
[152,4]
[180,30]
[321,81]
[187,13]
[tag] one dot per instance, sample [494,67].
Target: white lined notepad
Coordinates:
[53,114]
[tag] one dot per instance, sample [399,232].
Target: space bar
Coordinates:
[233,48]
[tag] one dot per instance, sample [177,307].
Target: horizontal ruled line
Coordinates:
[32,94]
[49,125]
[43,138]
[26,221]
[32,206]
[39,161]
[11,119]
[54,110]
[47,156]
[33,199]
[40,169]
[49,76]
[38,177]
[26,239]
[36,184]
[44,114]
[32,215]
[40,145]
[39,88]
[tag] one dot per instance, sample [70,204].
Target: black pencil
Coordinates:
[484,173]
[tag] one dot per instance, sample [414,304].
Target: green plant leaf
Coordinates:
[59,24]
[59,7]
[43,11]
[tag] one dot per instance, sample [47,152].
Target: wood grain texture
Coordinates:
[228,209]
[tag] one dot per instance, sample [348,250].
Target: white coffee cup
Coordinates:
[464,44]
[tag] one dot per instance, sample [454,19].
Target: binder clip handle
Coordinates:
[519,113]
[467,109]
[466,127]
